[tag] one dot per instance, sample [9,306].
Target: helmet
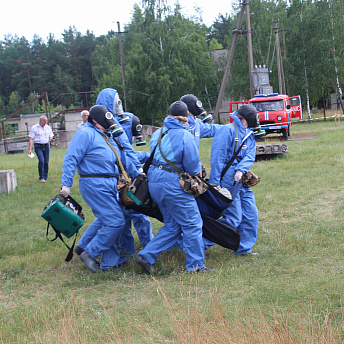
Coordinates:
[102,116]
[179,108]
[136,128]
[194,105]
[249,112]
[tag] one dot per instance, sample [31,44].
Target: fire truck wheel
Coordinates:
[285,133]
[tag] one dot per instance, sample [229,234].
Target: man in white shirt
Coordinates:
[84,115]
[40,136]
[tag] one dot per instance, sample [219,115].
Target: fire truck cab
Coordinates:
[276,111]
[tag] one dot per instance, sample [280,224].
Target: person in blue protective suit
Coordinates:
[95,161]
[132,128]
[242,214]
[141,222]
[110,99]
[179,209]
[200,127]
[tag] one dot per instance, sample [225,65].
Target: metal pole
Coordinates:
[47,106]
[278,53]
[249,46]
[228,66]
[5,139]
[286,61]
[122,64]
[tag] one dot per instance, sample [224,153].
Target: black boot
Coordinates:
[204,270]
[78,250]
[89,261]
[143,262]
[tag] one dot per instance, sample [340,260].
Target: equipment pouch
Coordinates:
[193,184]
[122,186]
[250,179]
[138,191]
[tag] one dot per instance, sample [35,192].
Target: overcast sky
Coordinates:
[29,17]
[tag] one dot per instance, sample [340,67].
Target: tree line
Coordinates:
[167,55]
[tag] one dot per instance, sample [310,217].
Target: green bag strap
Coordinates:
[162,154]
[124,172]
[58,235]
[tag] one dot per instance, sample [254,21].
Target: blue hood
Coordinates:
[237,122]
[173,123]
[106,97]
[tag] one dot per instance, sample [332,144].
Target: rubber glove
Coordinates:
[65,191]
[238,175]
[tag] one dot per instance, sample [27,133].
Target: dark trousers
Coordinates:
[42,152]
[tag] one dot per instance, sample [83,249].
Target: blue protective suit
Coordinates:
[89,153]
[242,213]
[140,221]
[142,156]
[201,130]
[179,209]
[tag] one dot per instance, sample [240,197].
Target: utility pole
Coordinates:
[285,59]
[236,32]
[305,70]
[249,46]
[339,90]
[279,61]
[122,64]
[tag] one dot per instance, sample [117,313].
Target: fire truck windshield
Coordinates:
[274,105]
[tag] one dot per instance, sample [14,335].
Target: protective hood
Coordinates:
[110,98]
[101,115]
[173,123]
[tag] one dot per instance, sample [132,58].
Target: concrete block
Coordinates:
[8,181]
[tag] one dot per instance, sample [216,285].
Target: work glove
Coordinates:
[65,191]
[238,175]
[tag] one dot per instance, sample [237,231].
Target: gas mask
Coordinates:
[117,131]
[249,112]
[123,119]
[102,116]
[136,129]
[196,108]
[117,106]
[258,132]
[118,110]
[207,118]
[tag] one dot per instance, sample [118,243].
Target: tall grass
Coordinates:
[291,293]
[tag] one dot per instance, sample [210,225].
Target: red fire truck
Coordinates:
[276,111]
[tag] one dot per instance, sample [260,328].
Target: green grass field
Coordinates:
[293,292]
